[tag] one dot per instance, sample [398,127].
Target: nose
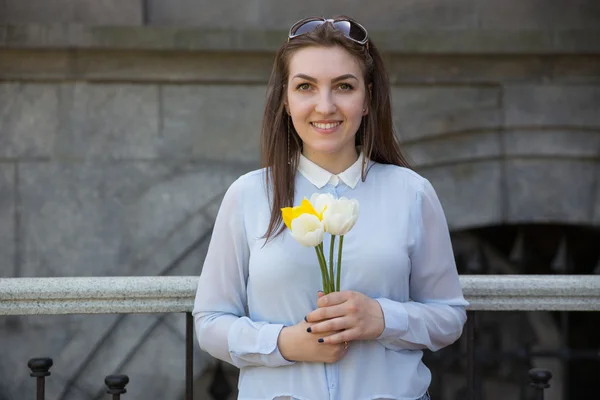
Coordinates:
[325,104]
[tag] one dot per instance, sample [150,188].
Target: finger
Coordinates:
[340,337]
[334,298]
[330,325]
[324,313]
[320,294]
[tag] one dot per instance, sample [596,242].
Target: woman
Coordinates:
[327,128]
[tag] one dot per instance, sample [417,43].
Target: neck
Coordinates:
[333,162]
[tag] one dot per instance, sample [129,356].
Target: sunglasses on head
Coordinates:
[350,28]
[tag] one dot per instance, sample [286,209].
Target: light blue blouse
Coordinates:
[399,253]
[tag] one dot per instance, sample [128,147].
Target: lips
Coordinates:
[326,125]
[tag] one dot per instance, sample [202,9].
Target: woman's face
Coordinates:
[326,98]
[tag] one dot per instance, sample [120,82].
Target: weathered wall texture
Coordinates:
[122,123]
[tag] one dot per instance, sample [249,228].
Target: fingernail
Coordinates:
[321,340]
[308,330]
[305,319]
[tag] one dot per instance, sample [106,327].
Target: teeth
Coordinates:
[326,126]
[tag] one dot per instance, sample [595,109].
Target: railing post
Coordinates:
[539,379]
[116,385]
[471,360]
[189,356]
[40,369]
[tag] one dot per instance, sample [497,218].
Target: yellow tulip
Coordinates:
[289,214]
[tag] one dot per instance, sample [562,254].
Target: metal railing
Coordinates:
[134,295]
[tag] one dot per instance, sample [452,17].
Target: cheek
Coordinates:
[300,106]
[354,109]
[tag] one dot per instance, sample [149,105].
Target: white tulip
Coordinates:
[320,201]
[340,216]
[308,230]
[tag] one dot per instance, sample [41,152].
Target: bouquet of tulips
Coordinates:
[309,222]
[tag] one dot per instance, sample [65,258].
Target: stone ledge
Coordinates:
[94,295]
[469,41]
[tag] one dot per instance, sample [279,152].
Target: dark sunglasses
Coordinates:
[350,28]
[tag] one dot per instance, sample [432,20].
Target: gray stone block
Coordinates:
[108,121]
[562,105]
[7,220]
[26,337]
[44,35]
[111,219]
[454,149]
[446,68]
[581,70]
[105,12]
[470,193]
[431,111]
[550,191]
[225,14]
[272,14]
[115,350]
[32,65]
[538,14]
[472,41]
[70,361]
[579,41]
[387,14]
[186,67]
[596,199]
[212,122]
[579,144]
[29,121]
[164,351]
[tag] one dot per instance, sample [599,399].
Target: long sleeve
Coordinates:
[435,316]
[222,327]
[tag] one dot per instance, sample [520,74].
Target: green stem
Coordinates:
[331,276]
[323,270]
[339,265]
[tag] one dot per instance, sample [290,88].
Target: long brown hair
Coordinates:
[280,150]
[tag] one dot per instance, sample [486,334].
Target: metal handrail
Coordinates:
[174,294]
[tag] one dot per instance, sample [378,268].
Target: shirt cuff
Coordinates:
[395,318]
[268,335]
[252,346]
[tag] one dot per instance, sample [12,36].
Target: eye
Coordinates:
[346,86]
[303,87]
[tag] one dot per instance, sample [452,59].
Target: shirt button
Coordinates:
[333,385]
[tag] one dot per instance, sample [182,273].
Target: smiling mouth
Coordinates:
[327,125]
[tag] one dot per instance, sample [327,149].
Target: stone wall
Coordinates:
[122,123]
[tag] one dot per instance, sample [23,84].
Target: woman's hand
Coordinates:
[297,344]
[346,316]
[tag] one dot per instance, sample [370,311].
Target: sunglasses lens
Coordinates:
[306,27]
[351,30]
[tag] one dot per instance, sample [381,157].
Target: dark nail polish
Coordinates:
[308,330]
[305,319]
[321,340]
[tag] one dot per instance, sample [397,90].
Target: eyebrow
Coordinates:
[339,78]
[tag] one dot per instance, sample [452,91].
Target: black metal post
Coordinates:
[539,379]
[40,369]
[189,356]
[471,361]
[116,385]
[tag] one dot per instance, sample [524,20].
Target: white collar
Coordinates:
[321,177]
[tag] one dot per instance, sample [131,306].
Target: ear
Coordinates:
[285,102]
[368,100]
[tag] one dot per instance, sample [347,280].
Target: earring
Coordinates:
[289,137]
